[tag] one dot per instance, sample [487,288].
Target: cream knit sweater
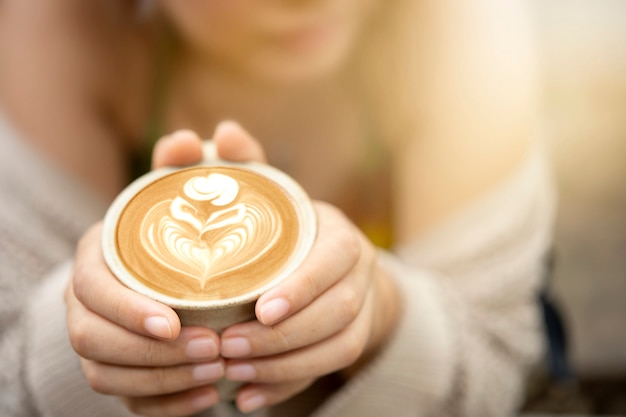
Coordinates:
[469,330]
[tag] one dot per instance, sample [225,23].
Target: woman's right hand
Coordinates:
[131,346]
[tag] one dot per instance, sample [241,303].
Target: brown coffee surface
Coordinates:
[208,233]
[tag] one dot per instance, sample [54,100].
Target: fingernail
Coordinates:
[201,348]
[273,310]
[182,133]
[240,372]
[251,403]
[226,125]
[236,347]
[208,371]
[159,327]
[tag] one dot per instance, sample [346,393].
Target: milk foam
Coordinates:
[202,236]
[175,232]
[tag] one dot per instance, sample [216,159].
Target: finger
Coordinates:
[140,382]
[330,355]
[311,325]
[180,404]
[183,147]
[235,144]
[335,252]
[98,290]
[257,396]
[96,338]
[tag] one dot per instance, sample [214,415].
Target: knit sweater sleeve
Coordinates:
[470,327]
[43,211]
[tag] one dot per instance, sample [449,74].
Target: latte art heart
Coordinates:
[207,233]
[181,237]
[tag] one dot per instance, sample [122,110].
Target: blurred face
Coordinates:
[274,40]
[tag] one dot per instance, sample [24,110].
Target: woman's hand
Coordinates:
[331,315]
[131,346]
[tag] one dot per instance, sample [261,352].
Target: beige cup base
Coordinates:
[219,320]
[228,389]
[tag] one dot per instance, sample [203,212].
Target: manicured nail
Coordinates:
[236,347]
[201,348]
[159,327]
[208,371]
[251,403]
[240,372]
[274,310]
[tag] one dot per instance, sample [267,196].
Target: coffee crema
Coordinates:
[208,232]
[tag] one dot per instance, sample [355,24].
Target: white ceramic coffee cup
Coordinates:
[216,314]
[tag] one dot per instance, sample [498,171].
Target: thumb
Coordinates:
[233,143]
[183,147]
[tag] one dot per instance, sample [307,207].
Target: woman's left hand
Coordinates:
[331,315]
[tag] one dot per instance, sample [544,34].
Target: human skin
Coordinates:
[458,149]
[277,356]
[273,42]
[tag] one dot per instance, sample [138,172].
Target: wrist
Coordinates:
[386,312]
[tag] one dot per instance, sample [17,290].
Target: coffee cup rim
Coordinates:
[304,208]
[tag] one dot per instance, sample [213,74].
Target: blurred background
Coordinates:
[583,57]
